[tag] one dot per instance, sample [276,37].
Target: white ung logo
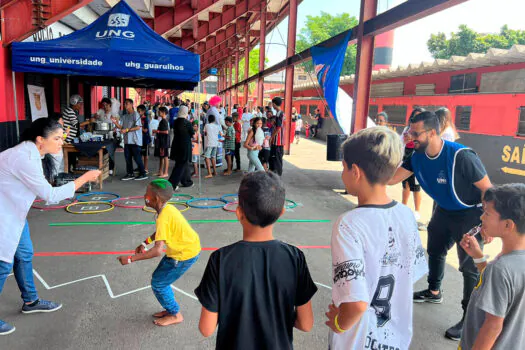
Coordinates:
[118,20]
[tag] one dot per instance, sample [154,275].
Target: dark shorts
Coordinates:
[264,155]
[297,133]
[144,150]
[412,184]
[229,152]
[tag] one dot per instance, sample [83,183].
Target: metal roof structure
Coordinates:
[493,57]
[214,29]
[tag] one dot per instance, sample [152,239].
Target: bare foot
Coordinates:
[169,319]
[208,176]
[157,174]
[164,176]
[227,174]
[161,314]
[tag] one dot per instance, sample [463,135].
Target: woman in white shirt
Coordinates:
[448,130]
[104,115]
[253,143]
[21,181]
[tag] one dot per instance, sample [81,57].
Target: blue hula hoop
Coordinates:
[80,196]
[224,198]
[191,201]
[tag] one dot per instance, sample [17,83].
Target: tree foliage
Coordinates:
[466,41]
[253,69]
[320,28]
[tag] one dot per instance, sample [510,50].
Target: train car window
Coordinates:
[463,83]
[303,109]
[463,117]
[397,114]
[373,110]
[521,125]
[326,111]
[312,109]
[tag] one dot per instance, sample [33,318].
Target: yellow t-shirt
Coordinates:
[182,242]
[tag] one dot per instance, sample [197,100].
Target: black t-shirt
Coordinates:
[255,287]
[163,140]
[469,169]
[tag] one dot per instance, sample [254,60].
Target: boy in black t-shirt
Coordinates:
[258,289]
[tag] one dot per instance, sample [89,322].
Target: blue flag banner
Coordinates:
[119,44]
[328,62]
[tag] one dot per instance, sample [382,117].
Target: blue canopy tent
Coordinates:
[118,49]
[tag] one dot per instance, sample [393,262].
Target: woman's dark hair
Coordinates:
[415,111]
[56,116]
[43,127]
[254,123]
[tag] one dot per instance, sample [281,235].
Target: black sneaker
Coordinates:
[141,177]
[454,332]
[427,296]
[128,177]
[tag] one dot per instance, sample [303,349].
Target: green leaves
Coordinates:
[466,41]
[320,28]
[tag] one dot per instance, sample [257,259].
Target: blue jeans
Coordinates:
[255,162]
[168,271]
[132,152]
[22,267]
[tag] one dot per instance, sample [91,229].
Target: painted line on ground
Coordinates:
[136,223]
[106,283]
[124,252]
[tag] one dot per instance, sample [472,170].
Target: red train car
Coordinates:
[484,92]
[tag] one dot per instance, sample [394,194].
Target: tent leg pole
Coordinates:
[67,90]
[198,110]
[16,108]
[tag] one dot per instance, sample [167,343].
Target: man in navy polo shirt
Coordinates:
[455,178]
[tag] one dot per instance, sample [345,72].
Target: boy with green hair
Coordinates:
[182,250]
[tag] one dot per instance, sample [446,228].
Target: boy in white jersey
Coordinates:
[376,251]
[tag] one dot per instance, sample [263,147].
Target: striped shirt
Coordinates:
[278,140]
[70,122]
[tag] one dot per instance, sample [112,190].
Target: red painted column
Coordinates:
[262,55]
[288,90]
[246,66]
[237,75]
[364,64]
[230,78]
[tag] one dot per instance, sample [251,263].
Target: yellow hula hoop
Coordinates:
[153,211]
[111,207]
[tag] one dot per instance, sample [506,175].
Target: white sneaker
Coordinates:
[111,173]
[417,215]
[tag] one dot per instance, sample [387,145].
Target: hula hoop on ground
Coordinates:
[183,195]
[116,200]
[230,204]
[111,207]
[52,207]
[80,196]
[235,195]
[153,211]
[291,204]
[191,201]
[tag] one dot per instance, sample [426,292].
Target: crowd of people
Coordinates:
[257,290]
